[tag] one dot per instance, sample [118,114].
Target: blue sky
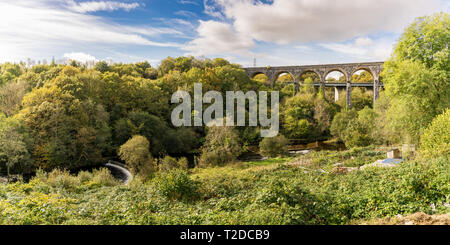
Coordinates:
[275,32]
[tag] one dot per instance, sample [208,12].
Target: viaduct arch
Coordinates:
[322,71]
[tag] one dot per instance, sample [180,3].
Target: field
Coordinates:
[297,190]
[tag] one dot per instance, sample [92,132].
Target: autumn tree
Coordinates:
[13,144]
[222,146]
[136,154]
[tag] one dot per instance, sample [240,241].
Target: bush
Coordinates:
[84,176]
[103,177]
[136,154]
[435,141]
[176,184]
[355,128]
[62,179]
[169,163]
[222,146]
[273,147]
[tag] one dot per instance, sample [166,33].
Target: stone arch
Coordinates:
[261,77]
[277,75]
[256,73]
[354,71]
[300,74]
[327,72]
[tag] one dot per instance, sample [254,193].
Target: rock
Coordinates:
[409,223]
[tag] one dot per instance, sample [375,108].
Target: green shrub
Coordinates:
[169,163]
[84,176]
[355,128]
[177,185]
[276,146]
[222,146]
[62,179]
[136,154]
[435,141]
[103,177]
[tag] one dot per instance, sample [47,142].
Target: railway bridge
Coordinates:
[322,71]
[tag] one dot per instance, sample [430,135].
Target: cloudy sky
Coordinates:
[274,32]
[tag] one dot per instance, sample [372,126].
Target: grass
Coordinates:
[270,161]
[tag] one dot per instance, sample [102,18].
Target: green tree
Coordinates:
[13,144]
[435,141]
[355,128]
[166,66]
[298,116]
[273,147]
[67,132]
[416,77]
[221,146]
[341,122]
[102,66]
[136,154]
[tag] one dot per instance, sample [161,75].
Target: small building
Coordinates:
[394,154]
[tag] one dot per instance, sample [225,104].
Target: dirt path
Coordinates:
[413,219]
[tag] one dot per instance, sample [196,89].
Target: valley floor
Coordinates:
[305,189]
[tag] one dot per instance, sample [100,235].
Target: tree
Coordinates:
[220,62]
[102,66]
[168,163]
[67,132]
[363,77]
[13,144]
[136,154]
[276,146]
[341,122]
[435,141]
[360,99]
[298,116]
[9,72]
[416,77]
[324,113]
[355,128]
[221,146]
[11,96]
[166,66]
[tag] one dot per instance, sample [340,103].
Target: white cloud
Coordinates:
[363,48]
[94,6]
[81,57]
[38,29]
[363,41]
[350,49]
[211,9]
[188,2]
[218,38]
[299,23]
[186,13]
[291,21]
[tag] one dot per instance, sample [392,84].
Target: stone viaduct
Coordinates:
[322,72]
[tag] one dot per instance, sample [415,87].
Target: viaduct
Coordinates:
[322,72]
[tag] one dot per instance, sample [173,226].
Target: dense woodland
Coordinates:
[63,117]
[70,116]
